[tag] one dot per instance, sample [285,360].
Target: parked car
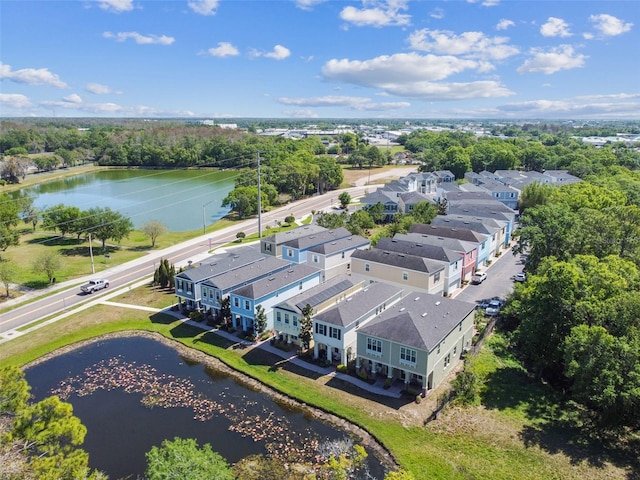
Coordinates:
[520,277]
[478,278]
[494,307]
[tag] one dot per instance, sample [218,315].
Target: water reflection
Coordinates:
[132,393]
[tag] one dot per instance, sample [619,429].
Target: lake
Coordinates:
[181,199]
[132,393]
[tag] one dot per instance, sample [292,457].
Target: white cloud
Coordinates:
[558,58]
[379,14]
[14,100]
[450,91]
[437,13]
[116,6]
[468,43]
[31,76]
[99,89]
[204,7]
[278,53]
[504,23]
[353,103]
[611,96]
[139,38]
[308,4]
[555,27]
[571,108]
[608,25]
[224,49]
[400,67]
[73,98]
[486,3]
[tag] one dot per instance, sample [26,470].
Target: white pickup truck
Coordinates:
[94,285]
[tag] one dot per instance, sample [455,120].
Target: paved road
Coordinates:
[68,295]
[499,282]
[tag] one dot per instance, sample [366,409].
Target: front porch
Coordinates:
[390,375]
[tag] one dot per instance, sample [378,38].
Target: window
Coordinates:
[286,318]
[407,355]
[405,276]
[342,254]
[189,287]
[316,259]
[295,320]
[289,252]
[267,247]
[374,346]
[436,277]
[300,286]
[246,304]
[278,317]
[218,295]
[321,329]
[367,267]
[460,327]
[204,292]
[438,348]
[236,302]
[447,360]
[335,333]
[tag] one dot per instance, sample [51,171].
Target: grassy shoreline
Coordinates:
[484,442]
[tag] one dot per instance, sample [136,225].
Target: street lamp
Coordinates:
[204,224]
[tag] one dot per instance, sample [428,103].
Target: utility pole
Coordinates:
[93,267]
[259,202]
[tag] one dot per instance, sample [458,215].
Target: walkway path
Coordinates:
[394,391]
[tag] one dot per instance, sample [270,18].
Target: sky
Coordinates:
[399,59]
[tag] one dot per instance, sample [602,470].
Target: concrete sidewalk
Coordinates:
[395,391]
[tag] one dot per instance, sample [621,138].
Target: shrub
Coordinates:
[265,335]
[388,382]
[363,375]
[196,316]
[240,236]
[342,368]
[418,399]
[289,219]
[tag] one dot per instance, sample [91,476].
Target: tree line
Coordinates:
[576,320]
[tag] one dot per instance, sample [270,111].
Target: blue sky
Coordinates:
[320,59]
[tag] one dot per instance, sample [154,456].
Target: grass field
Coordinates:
[516,433]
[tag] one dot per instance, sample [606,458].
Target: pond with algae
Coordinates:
[131,393]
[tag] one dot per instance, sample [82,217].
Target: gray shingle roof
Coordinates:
[487,226]
[419,320]
[359,304]
[434,252]
[464,234]
[265,286]
[243,275]
[353,241]
[314,296]
[395,259]
[450,243]
[319,238]
[282,237]
[221,263]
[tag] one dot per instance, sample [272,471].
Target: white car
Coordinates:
[478,278]
[520,277]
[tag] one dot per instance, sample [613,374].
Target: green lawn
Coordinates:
[513,434]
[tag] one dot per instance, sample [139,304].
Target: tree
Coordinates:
[424,212]
[376,212]
[9,217]
[261,320]
[8,274]
[306,325]
[240,236]
[153,229]
[225,309]
[182,459]
[345,199]
[331,220]
[106,224]
[244,201]
[343,459]
[359,221]
[457,161]
[61,218]
[535,193]
[48,262]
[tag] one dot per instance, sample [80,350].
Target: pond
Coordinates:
[181,199]
[131,393]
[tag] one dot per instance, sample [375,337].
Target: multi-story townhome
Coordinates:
[444,176]
[389,201]
[409,272]
[468,250]
[407,201]
[272,244]
[499,191]
[485,226]
[334,258]
[216,288]
[425,182]
[188,283]
[334,329]
[481,205]
[451,260]
[296,250]
[417,340]
[287,314]
[269,291]
[443,231]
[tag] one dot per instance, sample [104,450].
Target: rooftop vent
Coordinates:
[438,303]
[416,299]
[402,309]
[424,314]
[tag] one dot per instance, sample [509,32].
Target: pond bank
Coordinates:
[363,437]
